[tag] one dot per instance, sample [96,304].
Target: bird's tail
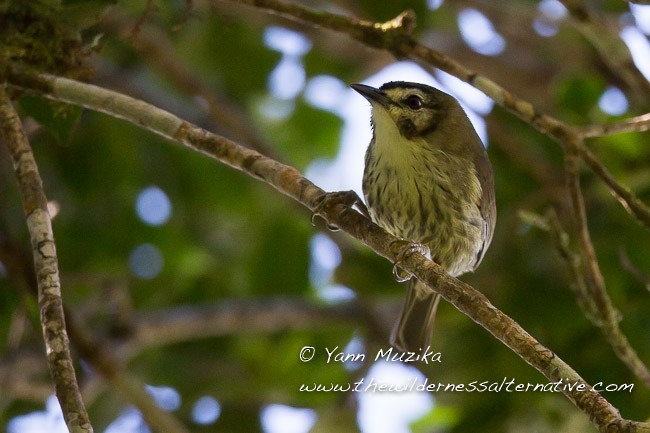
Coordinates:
[413,330]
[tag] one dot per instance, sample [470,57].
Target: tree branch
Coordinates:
[633,124]
[290,182]
[595,279]
[608,317]
[231,317]
[98,356]
[632,269]
[395,37]
[623,194]
[46,268]
[403,46]
[611,49]
[20,376]
[592,297]
[379,35]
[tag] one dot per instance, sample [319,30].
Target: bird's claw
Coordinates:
[400,274]
[328,200]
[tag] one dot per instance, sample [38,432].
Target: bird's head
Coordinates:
[415,109]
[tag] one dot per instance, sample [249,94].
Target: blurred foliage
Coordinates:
[232,237]
[46,34]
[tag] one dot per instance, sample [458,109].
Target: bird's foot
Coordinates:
[400,274]
[328,200]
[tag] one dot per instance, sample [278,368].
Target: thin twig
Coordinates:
[46,268]
[590,262]
[632,269]
[395,37]
[623,194]
[611,49]
[587,294]
[608,317]
[290,182]
[633,124]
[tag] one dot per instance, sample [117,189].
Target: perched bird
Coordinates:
[427,180]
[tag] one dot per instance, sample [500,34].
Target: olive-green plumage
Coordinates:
[427,180]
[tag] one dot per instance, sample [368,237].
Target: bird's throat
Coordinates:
[391,147]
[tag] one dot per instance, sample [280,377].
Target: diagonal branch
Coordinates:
[608,317]
[46,266]
[395,36]
[611,49]
[290,182]
[402,45]
[632,269]
[622,193]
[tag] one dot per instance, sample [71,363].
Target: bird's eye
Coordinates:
[414,102]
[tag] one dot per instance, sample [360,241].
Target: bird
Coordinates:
[427,180]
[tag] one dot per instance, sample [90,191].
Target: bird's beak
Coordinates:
[372,95]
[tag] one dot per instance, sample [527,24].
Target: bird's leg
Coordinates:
[349,199]
[400,274]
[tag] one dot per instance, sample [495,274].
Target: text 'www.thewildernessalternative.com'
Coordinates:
[419,385]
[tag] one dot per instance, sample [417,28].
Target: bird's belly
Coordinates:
[427,211]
